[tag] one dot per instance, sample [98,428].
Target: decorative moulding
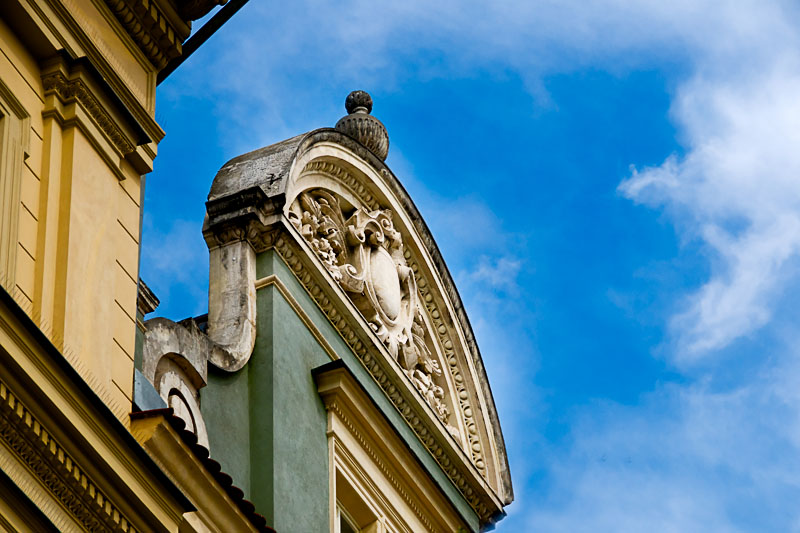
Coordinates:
[74,96]
[154,25]
[78,463]
[22,431]
[221,505]
[76,89]
[344,397]
[387,373]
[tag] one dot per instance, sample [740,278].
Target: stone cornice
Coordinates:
[250,199]
[68,90]
[61,435]
[261,240]
[146,300]
[154,26]
[216,508]
[56,468]
[263,232]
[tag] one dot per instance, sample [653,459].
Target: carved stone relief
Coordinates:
[437,327]
[364,253]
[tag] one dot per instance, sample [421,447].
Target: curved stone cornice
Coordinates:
[422,421]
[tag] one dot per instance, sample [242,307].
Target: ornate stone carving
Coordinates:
[56,468]
[75,89]
[364,253]
[157,35]
[443,331]
[474,443]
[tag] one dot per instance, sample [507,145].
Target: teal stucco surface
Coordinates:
[267,424]
[288,446]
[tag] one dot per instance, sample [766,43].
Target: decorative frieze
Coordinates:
[468,415]
[157,34]
[444,333]
[331,169]
[57,469]
[322,202]
[363,252]
[67,89]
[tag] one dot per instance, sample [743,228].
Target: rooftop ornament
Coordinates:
[362,126]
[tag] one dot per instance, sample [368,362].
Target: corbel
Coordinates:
[75,95]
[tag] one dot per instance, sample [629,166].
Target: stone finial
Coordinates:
[362,126]
[358,101]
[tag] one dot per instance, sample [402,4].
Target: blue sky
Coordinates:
[616,189]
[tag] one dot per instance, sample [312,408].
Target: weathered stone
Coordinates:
[232,304]
[362,126]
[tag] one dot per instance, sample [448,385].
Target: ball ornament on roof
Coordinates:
[362,126]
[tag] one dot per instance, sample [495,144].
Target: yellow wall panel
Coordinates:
[90,265]
[12,48]
[124,289]
[25,272]
[29,192]
[132,183]
[124,323]
[34,160]
[128,213]
[25,83]
[121,371]
[27,233]
[127,250]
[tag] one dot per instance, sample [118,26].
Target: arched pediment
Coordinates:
[347,228]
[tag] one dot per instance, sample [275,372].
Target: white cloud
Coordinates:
[692,456]
[687,459]
[500,273]
[736,190]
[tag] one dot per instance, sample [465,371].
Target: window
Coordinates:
[344,522]
[14,131]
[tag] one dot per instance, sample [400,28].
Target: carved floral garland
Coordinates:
[338,173]
[364,254]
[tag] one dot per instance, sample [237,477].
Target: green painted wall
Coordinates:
[225,405]
[267,424]
[288,446]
